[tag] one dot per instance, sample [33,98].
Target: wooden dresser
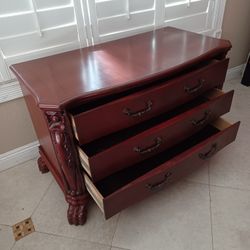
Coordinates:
[123,119]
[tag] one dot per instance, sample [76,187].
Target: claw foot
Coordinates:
[42,166]
[77,211]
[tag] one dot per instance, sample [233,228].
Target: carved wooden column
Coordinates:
[74,187]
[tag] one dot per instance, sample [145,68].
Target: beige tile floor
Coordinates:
[209,210]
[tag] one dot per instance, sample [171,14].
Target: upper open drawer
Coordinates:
[92,121]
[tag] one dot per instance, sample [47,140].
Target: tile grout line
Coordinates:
[228,187]
[72,238]
[5,225]
[196,182]
[210,205]
[18,165]
[47,189]
[13,245]
[115,229]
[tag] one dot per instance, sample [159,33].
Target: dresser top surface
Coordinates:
[84,74]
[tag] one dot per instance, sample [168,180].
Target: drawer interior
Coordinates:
[116,181]
[103,143]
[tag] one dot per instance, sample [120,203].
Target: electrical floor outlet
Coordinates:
[23,228]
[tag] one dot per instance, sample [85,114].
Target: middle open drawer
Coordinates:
[117,151]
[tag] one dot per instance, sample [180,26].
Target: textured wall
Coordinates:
[15,125]
[236,28]
[16,128]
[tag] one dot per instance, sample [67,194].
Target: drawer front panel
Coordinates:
[158,138]
[143,105]
[167,172]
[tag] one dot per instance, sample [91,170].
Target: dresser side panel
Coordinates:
[41,127]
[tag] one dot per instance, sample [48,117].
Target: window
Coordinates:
[113,19]
[35,28]
[118,18]
[195,15]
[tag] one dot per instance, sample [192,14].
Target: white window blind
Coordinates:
[111,19]
[193,15]
[35,28]
[4,73]
[118,18]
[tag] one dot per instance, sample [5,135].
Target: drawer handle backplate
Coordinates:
[157,143]
[210,153]
[159,185]
[203,120]
[139,113]
[191,90]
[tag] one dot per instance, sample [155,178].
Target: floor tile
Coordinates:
[230,167]
[177,218]
[51,216]
[231,220]
[200,175]
[241,102]
[39,241]
[6,237]
[21,189]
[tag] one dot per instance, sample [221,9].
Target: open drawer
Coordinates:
[93,121]
[128,186]
[115,152]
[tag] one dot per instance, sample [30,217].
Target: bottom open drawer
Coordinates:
[135,183]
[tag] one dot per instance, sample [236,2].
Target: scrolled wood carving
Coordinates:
[75,192]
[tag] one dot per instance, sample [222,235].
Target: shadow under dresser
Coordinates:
[121,120]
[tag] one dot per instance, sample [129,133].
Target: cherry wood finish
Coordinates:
[137,144]
[115,196]
[141,106]
[61,135]
[147,74]
[79,76]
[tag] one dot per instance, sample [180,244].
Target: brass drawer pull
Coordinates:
[203,120]
[191,90]
[159,185]
[139,113]
[210,153]
[158,141]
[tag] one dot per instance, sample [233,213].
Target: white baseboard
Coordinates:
[18,155]
[235,72]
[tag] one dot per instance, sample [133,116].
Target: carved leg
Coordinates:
[77,211]
[42,166]
[70,170]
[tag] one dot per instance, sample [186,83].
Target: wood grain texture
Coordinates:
[80,75]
